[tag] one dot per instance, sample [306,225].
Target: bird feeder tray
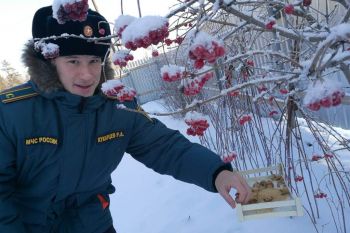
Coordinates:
[271,196]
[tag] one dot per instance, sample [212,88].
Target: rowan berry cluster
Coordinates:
[230,157]
[76,11]
[298,178]
[155,53]
[262,88]
[152,37]
[244,119]
[320,195]
[200,54]
[333,99]
[195,85]
[289,9]
[121,58]
[284,91]
[126,94]
[197,122]
[316,157]
[307,2]
[171,73]
[116,89]
[273,113]
[233,93]
[197,127]
[269,25]
[205,49]
[178,40]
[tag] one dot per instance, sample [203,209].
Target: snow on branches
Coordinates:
[205,48]
[171,73]
[116,89]
[65,10]
[198,123]
[324,94]
[145,31]
[121,58]
[121,23]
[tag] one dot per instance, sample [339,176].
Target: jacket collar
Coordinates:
[71,102]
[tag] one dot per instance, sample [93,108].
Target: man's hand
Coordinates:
[227,180]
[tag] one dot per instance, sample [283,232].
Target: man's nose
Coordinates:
[86,72]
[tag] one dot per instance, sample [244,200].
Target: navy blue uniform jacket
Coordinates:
[58,150]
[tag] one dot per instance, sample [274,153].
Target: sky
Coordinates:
[16,19]
[147,202]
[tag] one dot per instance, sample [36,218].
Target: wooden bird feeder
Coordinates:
[271,196]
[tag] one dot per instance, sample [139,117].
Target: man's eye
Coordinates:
[73,61]
[95,61]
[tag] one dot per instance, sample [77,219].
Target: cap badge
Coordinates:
[88,31]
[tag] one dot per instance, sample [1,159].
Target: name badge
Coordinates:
[110,136]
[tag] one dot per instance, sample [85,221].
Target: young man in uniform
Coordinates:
[61,138]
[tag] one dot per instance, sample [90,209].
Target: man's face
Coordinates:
[79,74]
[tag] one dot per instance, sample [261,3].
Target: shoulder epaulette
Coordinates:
[20,92]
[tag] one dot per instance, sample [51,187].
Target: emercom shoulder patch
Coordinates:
[17,93]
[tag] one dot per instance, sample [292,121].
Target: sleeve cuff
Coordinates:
[226,166]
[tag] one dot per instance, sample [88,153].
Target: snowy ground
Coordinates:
[147,202]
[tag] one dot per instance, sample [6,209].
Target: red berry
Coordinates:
[272,113]
[316,157]
[179,40]
[283,91]
[250,62]
[326,102]
[307,2]
[289,9]
[298,178]
[233,93]
[168,41]
[198,64]
[155,53]
[315,106]
[270,24]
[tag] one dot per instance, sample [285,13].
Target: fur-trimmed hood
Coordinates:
[44,74]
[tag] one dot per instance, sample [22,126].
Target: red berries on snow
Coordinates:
[307,2]
[298,178]
[197,122]
[195,85]
[333,99]
[320,195]
[116,89]
[134,38]
[244,119]
[270,24]
[155,53]
[205,49]
[171,73]
[230,157]
[289,9]
[121,58]
[316,158]
[75,11]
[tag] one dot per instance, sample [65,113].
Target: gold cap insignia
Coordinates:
[88,31]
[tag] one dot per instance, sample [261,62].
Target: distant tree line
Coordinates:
[9,76]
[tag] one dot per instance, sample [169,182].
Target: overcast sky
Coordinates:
[16,19]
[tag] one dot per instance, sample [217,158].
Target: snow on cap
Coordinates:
[45,25]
